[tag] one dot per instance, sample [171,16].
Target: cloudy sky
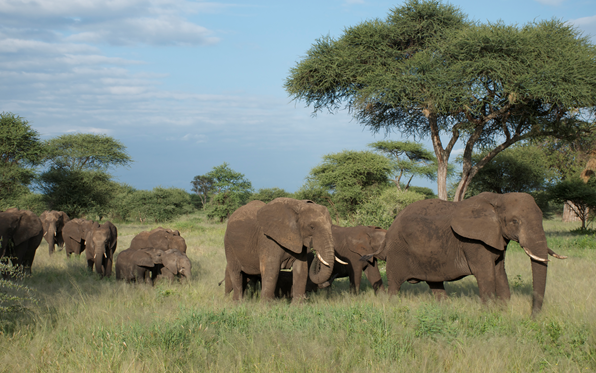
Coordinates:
[187,85]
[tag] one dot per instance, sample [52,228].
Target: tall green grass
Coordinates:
[82,323]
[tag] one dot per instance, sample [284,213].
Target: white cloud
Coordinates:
[551,2]
[350,2]
[587,25]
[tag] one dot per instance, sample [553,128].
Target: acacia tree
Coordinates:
[20,151]
[77,180]
[229,190]
[427,71]
[409,158]
[202,185]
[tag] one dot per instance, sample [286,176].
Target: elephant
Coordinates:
[75,233]
[101,242]
[435,241]
[53,222]
[174,265]
[21,233]
[261,239]
[352,243]
[159,238]
[138,264]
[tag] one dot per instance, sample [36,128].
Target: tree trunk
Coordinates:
[568,214]
[442,180]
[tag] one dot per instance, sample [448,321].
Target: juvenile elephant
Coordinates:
[53,223]
[159,238]
[75,234]
[263,238]
[138,265]
[101,243]
[351,244]
[21,233]
[435,241]
[174,265]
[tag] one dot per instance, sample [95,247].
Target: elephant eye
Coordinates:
[515,221]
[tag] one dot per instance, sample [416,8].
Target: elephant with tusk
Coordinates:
[435,241]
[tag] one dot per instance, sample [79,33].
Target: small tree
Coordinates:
[77,180]
[20,151]
[350,177]
[202,185]
[269,194]
[581,194]
[409,159]
[230,190]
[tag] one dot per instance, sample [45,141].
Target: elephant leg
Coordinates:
[374,276]
[355,276]
[484,271]
[503,291]
[299,279]
[228,283]
[238,284]
[396,273]
[108,267]
[438,289]
[270,264]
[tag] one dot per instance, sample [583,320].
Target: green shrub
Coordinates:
[159,204]
[381,211]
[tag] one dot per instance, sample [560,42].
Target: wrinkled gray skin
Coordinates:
[21,233]
[174,265]
[159,238]
[352,243]
[138,265]
[53,223]
[436,241]
[101,243]
[75,233]
[263,238]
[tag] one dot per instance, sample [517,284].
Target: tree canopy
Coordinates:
[86,151]
[428,71]
[228,189]
[20,151]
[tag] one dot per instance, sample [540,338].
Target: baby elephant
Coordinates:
[150,264]
[138,265]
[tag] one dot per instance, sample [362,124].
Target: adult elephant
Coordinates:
[21,233]
[263,238]
[75,234]
[351,244]
[138,265]
[436,241]
[101,243]
[53,222]
[159,238]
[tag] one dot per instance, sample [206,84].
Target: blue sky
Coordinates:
[188,85]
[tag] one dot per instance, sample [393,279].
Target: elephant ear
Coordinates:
[170,261]
[65,218]
[144,260]
[478,221]
[280,223]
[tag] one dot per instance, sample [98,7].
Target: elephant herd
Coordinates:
[153,255]
[430,240]
[291,246]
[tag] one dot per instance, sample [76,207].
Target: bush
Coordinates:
[159,205]
[381,211]
[269,194]
[27,201]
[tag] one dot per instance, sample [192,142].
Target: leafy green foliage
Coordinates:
[15,297]
[350,177]
[158,205]
[202,185]
[269,194]
[229,190]
[76,192]
[523,168]
[20,151]
[381,210]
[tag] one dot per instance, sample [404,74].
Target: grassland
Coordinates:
[82,323]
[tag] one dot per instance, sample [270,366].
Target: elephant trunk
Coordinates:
[322,265]
[100,253]
[538,253]
[50,237]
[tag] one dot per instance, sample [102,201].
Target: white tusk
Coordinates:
[534,256]
[322,260]
[340,261]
